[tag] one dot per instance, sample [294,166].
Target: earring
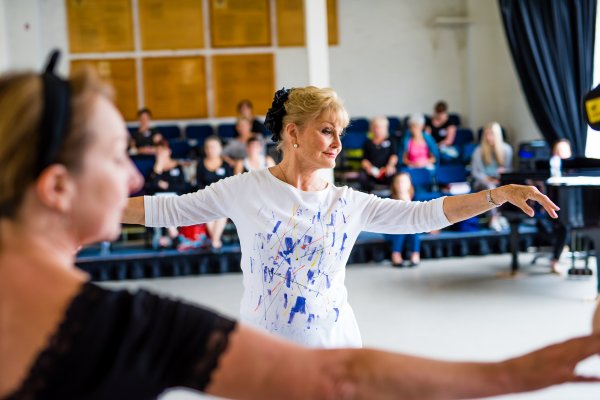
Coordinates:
[295,145]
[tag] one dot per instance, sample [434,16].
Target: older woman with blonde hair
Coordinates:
[297,230]
[64,182]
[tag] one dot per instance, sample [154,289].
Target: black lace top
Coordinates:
[118,345]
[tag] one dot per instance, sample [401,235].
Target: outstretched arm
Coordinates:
[258,366]
[134,212]
[459,208]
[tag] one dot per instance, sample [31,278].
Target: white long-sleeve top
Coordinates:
[295,246]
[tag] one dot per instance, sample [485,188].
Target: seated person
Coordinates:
[210,169]
[255,157]
[419,150]
[561,150]
[442,128]
[380,158]
[402,189]
[167,177]
[144,140]
[64,337]
[245,110]
[491,158]
[235,149]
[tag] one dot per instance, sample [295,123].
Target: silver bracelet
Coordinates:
[490,200]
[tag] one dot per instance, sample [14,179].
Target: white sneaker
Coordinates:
[504,223]
[495,224]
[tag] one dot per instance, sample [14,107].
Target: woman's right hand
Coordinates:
[552,365]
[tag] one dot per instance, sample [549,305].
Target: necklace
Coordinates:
[283,173]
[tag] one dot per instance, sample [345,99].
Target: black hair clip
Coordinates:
[274,117]
[56,113]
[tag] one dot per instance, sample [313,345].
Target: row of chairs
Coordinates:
[200,132]
[197,132]
[396,125]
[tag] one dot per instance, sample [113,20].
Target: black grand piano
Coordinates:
[576,192]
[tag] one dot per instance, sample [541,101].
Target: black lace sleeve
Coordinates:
[118,345]
[173,343]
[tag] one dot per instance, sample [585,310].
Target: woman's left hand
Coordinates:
[519,195]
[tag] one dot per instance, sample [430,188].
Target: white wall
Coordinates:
[24,32]
[391,59]
[4,61]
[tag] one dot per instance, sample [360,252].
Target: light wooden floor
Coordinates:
[454,309]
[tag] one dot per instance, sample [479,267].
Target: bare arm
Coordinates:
[459,208]
[134,212]
[257,366]
[366,165]
[450,136]
[239,167]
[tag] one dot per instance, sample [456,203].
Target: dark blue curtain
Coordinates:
[552,45]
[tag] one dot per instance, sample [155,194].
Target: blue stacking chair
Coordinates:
[226,131]
[180,148]
[467,152]
[394,125]
[422,180]
[354,140]
[450,173]
[198,133]
[144,164]
[463,136]
[169,131]
[358,125]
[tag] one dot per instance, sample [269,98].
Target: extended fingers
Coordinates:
[581,378]
[548,204]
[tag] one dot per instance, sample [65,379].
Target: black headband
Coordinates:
[274,117]
[55,116]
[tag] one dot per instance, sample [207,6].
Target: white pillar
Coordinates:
[4,60]
[317,45]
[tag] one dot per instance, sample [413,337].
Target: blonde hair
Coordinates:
[309,103]
[21,106]
[496,151]
[380,120]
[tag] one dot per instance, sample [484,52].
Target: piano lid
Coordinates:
[574,181]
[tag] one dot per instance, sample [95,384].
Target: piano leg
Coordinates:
[594,234]
[514,244]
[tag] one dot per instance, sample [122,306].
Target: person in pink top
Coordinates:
[419,148]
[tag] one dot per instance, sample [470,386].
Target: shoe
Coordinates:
[504,223]
[398,265]
[413,264]
[495,225]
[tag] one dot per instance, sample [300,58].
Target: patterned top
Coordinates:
[295,246]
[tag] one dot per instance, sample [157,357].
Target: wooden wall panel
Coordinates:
[99,26]
[168,25]
[175,87]
[237,77]
[121,75]
[290,23]
[240,23]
